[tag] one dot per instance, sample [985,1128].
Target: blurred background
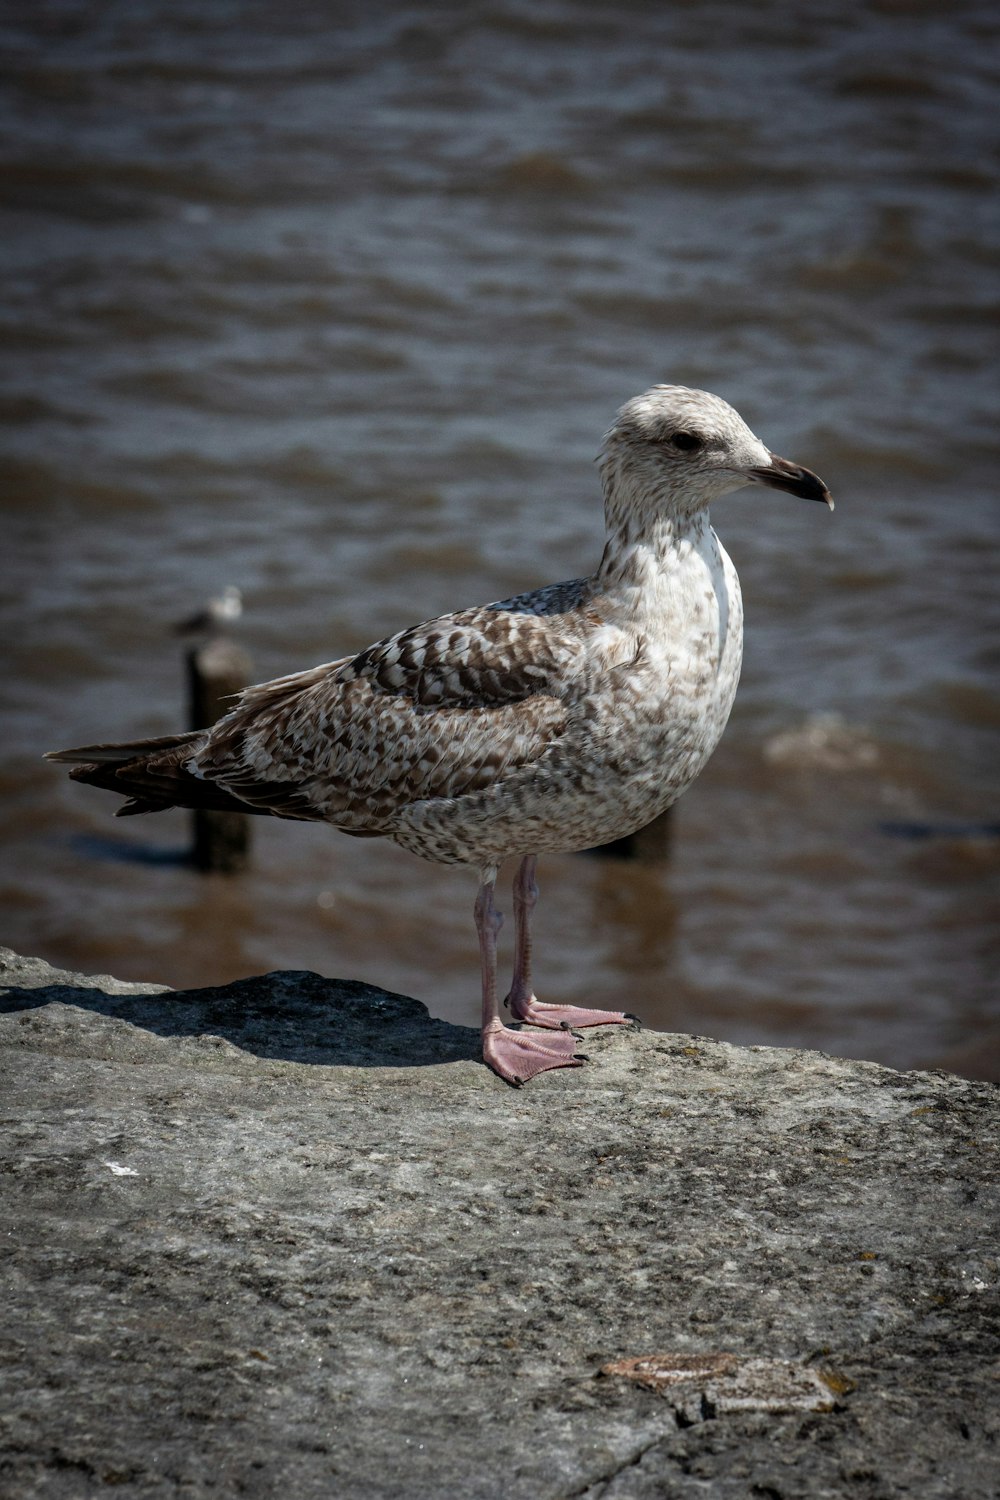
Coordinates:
[333,304]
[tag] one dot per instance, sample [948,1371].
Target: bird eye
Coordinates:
[686,441]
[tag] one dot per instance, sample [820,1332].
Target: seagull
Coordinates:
[557,719]
[211,620]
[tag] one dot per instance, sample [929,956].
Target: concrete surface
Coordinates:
[289,1237]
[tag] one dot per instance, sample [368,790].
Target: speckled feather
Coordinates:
[557,719]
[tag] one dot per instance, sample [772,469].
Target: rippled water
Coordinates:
[338,312]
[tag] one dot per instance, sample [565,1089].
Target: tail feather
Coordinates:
[125,750]
[152,774]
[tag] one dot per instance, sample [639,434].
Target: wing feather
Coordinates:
[437,711]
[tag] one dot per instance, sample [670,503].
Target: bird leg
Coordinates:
[515,1055]
[521,1001]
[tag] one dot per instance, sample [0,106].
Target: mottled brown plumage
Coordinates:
[557,719]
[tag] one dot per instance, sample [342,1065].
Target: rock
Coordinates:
[289,1236]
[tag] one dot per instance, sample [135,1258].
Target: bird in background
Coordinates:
[558,719]
[216,616]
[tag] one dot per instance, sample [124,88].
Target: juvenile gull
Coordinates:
[554,720]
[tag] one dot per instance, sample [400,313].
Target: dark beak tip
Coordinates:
[782,475]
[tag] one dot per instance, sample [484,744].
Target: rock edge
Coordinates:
[289,1234]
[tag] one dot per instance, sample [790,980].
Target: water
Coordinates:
[338,313]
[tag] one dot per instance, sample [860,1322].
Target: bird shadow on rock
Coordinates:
[288,1016]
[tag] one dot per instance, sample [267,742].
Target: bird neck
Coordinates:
[646,535]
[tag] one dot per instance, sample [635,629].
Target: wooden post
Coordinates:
[216,670]
[647,846]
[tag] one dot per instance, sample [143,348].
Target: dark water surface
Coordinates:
[337,310]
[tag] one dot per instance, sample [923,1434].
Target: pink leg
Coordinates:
[521,1000]
[515,1055]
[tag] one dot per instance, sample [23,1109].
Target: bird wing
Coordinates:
[437,711]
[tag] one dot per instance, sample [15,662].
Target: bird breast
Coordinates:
[686,620]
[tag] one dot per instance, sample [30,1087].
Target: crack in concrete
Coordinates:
[590,1491]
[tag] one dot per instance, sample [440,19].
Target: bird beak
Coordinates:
[781,475]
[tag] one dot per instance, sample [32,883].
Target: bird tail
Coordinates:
[152,774]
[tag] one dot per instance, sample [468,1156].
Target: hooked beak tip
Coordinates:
[782,475]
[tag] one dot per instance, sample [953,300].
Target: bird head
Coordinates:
[682,449]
